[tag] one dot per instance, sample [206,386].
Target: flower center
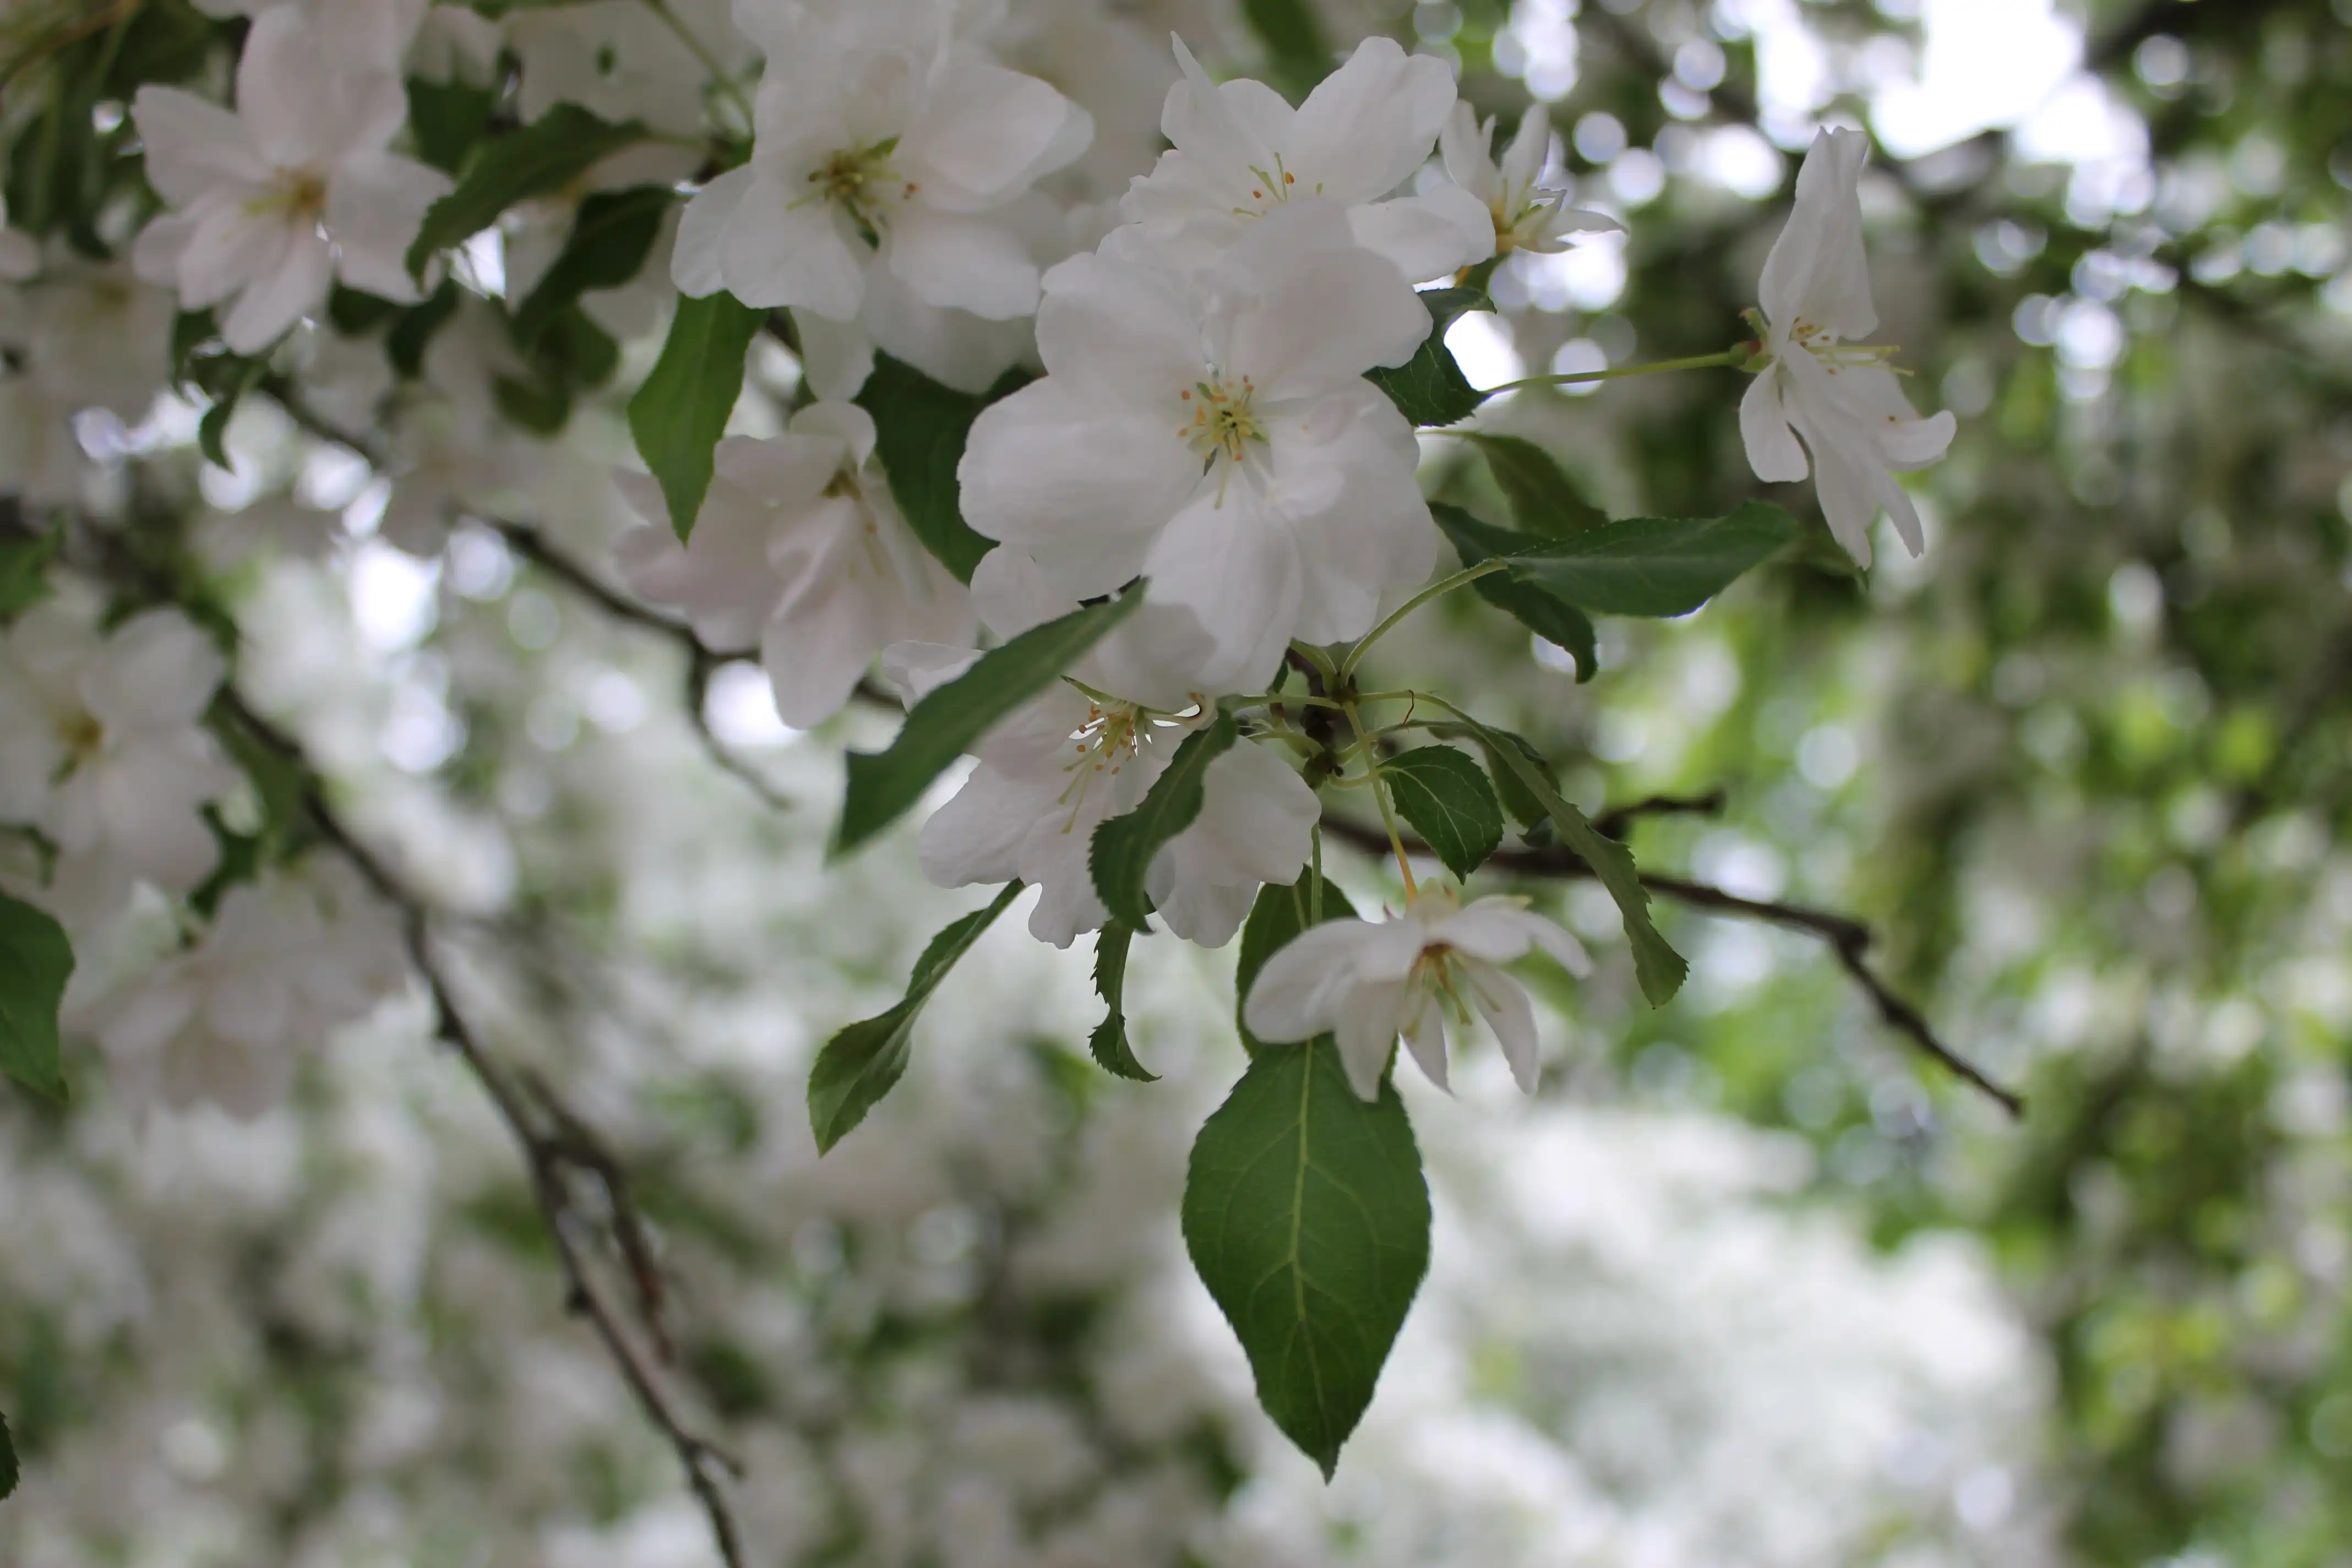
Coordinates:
[81,735]
[299,194]
[1271,189]
[1822,344]
[1224,419]
[863,183]
[1104,743]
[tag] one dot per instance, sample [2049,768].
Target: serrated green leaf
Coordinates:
[1119,857]
[541,157]
[945,725]
[864,1062]
[1659,968]
[1430,389]
[1543,497]
[612,235]
[1280,914]
[1539,609]
[1108,1043]
[1656,567]
[1308,1218]
[919,431]
[1449,802]
[677,416]
[35,961]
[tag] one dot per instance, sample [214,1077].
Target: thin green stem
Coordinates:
[1388,811]
[1318,659]
[1696,361]
[1443,585]
[710,61]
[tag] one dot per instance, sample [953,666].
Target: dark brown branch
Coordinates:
[1618,820]
[1847,938]
[554,1144]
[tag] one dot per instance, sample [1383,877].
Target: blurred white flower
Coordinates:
[1525,216]
[20,253]
[1840,396]
[293,189]
[1369,982]
[800,551]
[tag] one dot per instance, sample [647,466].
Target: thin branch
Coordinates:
[1617,821]
[553,1144]
[1846,937]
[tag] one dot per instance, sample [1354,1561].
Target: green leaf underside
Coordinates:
[864,1062]
[1656,567]
[1280,914]
[1449,802]
[611,238]
[1308,1218]
[541,158]
[1656,964]
[944,725]
[1119,857]
[919,431]
[36,959]
[1108,1043]
[1543,497]
[677,416]
[1539,609]
[1430,388]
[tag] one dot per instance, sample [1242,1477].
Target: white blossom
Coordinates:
[619,60]
[106,751]
[1090,749]
[293,189]
[799,552]
[287,959]
[1240,152]
[1368,982]
[1213,431]
[879,148]
[1840,396]
[1525,216]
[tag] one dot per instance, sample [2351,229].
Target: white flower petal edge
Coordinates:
[1838,397]
[1522,214]
[1369,982]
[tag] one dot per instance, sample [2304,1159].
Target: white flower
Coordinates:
[878,147]
[293,189]
[287,961]
[800,551]
[106,752]
[1525,216]
[619,60]
[1838,395]
[1240,152]
[1213,431]
[1369,982]
[1072,758]
[43,463]
[94,335]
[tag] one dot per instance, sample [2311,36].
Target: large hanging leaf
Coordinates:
[541,158]
[1448,802]
[1430,388]
[1656,567]
[1538,608]
[1308,1218]
[1543,497]
[679,414]
[36,959]
[864,1062]
[945,725]
[919,431]
[1119,857]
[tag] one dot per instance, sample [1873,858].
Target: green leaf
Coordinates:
[1656,964]
[1280,914]
[24,571]
[1108,1043]
[944,724]
[1550,617]
[1656,567]
[448,119]
[412,329]
[864,1062]
[610,237]
[541,157]
[1299,52]
[36,959]
[1119,859]
[1430,388]
[240,376]
[919,430]
[8,1460]
[679,414]
[1308,1218]
[1449,802]
[1542,497]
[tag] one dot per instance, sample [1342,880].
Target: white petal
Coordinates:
[984,130]
[1120,329]
[1012,595]
[193,144]
[1314,309]
[1233,565]
[375,203]
[836,356]
[962,263]
[1424,1036]
[817,647]
[1464,146]
[695,260]
[774,253]
[1368,124]
[1367,1030]
[1503,1002]
[296,287]
[916,669]
[975,836]
[1050,472]
[1772,450]
[1427,236]
[1816,270]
